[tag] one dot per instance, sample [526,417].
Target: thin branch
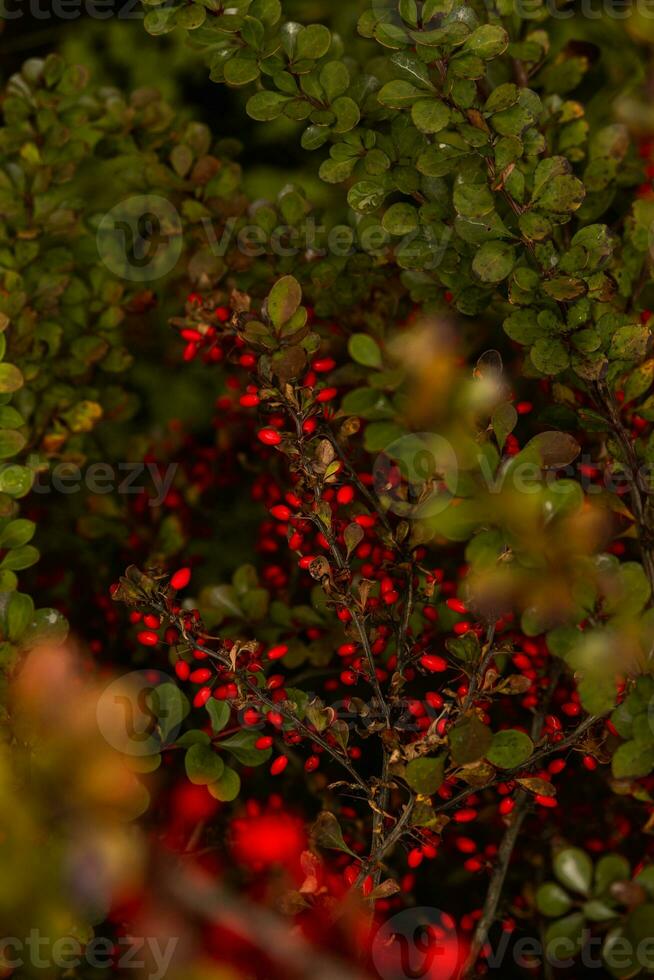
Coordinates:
[478,675]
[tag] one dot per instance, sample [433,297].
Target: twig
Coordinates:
[507,845]
[478,675]
[645,535]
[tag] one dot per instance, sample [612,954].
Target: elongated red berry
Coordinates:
[182,670]
[433,663]
[249,401]
[278,766]
[327,394]
[200,676]
[181,578]
[323,364]
[269,437]
[148,638]
[201,697]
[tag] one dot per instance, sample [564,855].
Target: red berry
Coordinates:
[181,578]
[345,494]
[277,652]
[323,364]
[327,394]
[148,638]
[269,437]
[249,401]
[201,697]
[278,766]
[434,663]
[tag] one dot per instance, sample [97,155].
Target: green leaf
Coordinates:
[326,832]
[161,21]
[203,765]
[609,869]
[47,626]
[561,194]
[570,928]
[552,900]
[413,68]
[284,300]
[504,420]
[487,41]
[400,219]
[494,261]
[473,200]
[550,450]
[425,775]
[510,748]
[17,533]
[366,196]
[219,712]
[597,692]
[334,79]
[20,612]
[597,911]
[20,558]
[430,115]
[465,648]
[632,760]
[550,356]
[265,106]
[398,94]
[241,71]
[11,379]
[364,350]
[227,787]
[312,42]
[170,706]
[574,869]
[470,739]
[11,442]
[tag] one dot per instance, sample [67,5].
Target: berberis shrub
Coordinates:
[337,658]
